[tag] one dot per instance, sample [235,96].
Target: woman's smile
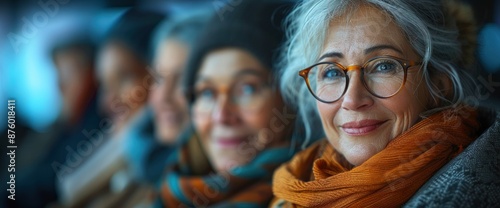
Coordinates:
[362,127]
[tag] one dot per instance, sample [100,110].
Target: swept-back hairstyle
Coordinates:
[431,27]
[184,27]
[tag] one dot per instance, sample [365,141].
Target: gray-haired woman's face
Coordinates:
[359,125]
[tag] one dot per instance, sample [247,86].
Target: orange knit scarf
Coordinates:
[387,179]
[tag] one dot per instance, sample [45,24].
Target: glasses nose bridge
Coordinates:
[223,102]
[225,92]
[353,67]
[223,89]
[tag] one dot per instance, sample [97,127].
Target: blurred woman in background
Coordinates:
[122,67]
[153,134]
[103,179]
[172,45]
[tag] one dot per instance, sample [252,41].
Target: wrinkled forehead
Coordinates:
[228,64]
[361,28]
[361,15]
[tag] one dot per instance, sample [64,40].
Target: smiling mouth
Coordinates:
[359,128]
[230,142]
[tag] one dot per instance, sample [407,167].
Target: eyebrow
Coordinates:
[331,55]
[249,72]
[381,47]
[241,73]
[367,51]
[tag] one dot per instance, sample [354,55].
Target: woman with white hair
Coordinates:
[387,80]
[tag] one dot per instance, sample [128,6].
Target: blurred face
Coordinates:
[124,81]
[169,104]
[75,80]
[234,103]
[359,125]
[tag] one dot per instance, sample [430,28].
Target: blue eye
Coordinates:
[385,66]
[332,73]
[248,89]
[205,94]
[246,94]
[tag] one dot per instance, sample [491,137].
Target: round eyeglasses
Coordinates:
[246,97]
[382,76]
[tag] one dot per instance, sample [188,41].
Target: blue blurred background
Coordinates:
[27,73]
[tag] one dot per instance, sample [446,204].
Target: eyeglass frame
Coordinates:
[226,90]
[406,64]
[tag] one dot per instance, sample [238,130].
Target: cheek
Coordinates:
[182,106]
[260,118]
[155,97]
[257,120]
[406,107]
[73,91]
[180,100]
[202,125]
[327,113]
[135,94]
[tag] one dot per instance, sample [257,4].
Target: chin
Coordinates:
[166,139]
[359,153]
[225,165]
[118,122]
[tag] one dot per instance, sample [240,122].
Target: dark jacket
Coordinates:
[472,179]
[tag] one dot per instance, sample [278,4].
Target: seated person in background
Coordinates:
[44,154]
[241,125]
[122,66]
[125,82]
[389,83]
[74,61]
[153,136]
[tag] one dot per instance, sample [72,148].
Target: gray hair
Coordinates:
[430,32]
[184,27]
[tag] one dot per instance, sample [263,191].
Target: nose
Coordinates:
[356,97]
[156,97]
[167,91]
[108,100]
[223,112]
